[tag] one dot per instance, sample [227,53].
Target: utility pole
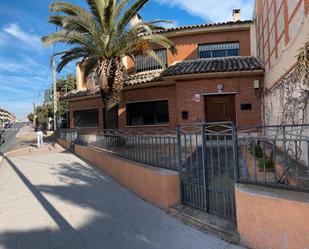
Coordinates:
[34,117]
[53,62]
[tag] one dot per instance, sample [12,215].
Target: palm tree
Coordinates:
[100,37]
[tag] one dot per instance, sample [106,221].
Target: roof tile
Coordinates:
[212,65]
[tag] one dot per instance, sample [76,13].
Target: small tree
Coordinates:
[30,117]
[63,86]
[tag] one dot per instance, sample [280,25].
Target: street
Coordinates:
[11,141]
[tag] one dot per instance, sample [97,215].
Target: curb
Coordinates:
[208,225]
[17,135]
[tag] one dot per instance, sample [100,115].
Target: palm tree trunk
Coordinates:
[111,118]
[112,74]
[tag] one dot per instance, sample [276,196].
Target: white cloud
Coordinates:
[29,40]
[21,64]
[11,66]
[213,10]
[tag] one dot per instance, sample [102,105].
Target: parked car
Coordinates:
[2,136]
[8,125]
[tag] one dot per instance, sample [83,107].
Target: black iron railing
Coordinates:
[157,147]
[213,156]
[274,155]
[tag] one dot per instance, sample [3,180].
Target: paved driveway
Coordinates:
[55,200]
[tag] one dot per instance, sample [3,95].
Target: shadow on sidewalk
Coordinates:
[105,212]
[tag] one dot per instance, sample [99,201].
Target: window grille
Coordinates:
[86,118]
[147,113]
[215,50]
[144,62]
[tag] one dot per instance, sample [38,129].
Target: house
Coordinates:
[215,76]
[6,116]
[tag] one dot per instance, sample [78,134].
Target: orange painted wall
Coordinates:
[63,143]
[271,218]
[158,186]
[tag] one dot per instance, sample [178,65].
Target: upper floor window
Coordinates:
[144,62]
[213,50]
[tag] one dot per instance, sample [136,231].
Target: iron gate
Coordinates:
[207,155]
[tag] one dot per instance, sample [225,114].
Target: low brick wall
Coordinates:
[272,218]
[158,186]
[63,143]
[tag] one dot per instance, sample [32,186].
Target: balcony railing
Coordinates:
[144,62]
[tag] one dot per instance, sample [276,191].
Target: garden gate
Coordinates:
[207,154]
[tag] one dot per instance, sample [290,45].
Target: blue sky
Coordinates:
[24,62]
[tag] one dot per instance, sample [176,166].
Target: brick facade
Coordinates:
[181,93]
[89,103]
[180,98]
[242,87]
[148,94]
[187,45]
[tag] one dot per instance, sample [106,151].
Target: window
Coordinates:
[219,50]
[147,113]
[144,62]
[86,118]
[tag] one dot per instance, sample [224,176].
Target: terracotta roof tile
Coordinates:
[143,77]
[197,26]
[213,65]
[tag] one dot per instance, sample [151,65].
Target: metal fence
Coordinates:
[69,135]
[211,157]
[157,147]
[207,165]
[274,155]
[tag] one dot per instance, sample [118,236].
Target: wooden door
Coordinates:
[220,108]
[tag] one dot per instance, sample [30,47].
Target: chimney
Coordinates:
[135,20]
[236,15]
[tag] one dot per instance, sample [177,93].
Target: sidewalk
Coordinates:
[27,133]
[51,199]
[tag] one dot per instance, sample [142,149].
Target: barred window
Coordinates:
[147,113]
[86,118]
[214,50]
[144,62]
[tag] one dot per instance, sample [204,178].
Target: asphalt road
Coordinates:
[11,140]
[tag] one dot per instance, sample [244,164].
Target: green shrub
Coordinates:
[256,150]
[268,164]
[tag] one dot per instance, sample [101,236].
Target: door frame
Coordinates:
[220,94]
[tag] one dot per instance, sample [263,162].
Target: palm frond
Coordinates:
[103,32]
[69,37]
[71,55]
[153,54]
[161,41]
[97,9]
[129,14]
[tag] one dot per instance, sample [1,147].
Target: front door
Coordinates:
[220,108]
